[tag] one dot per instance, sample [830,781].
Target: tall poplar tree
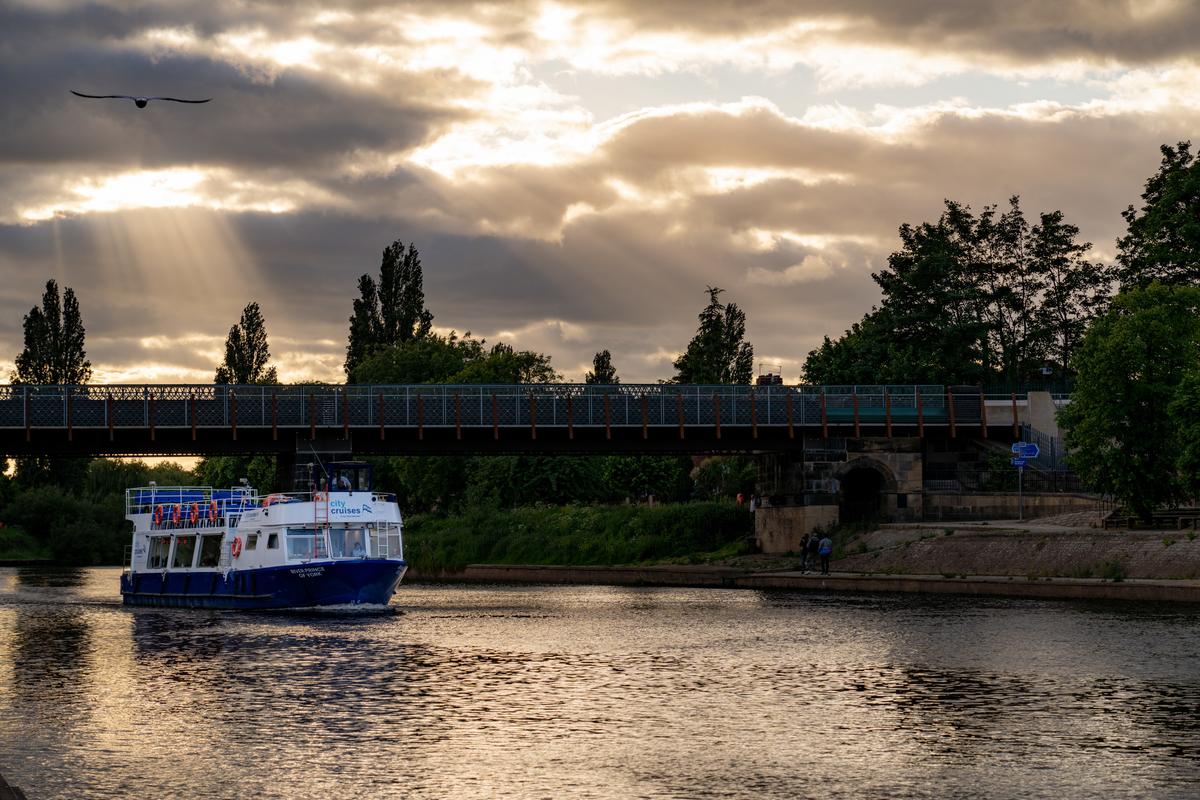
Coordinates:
[717,354]
[247,351]
[392,310]
[54,342]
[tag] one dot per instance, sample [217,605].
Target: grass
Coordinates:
[578,535]
[16,545]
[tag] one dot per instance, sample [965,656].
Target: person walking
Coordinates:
[804,554]
[812,550]
[825,549]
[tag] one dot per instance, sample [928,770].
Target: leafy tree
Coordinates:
[717,354]
[54,342]
[247,352]
[503,364]
[969,299]
[1122,437]
[227,471]
[603,371]
[1073,290]
[1163,239]
[665,478]
[431,359]
[1185,414]
[392,311]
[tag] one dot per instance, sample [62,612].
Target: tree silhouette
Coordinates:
[54,342]
[247,352]
[603,370]
[391,311]
[717,353]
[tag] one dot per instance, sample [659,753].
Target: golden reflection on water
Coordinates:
[595,692]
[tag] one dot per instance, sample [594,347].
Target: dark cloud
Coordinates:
[1132,31]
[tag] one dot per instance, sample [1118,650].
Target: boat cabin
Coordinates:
[338,476]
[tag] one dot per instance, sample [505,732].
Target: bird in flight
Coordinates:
[138,101]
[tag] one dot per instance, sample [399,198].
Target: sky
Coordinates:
[574,175]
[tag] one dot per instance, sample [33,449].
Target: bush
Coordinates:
[575,535]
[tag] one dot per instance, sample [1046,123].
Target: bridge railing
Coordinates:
[442,405]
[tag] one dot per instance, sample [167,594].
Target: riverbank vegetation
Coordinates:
[577,535]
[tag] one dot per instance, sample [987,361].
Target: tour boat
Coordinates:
[336,545]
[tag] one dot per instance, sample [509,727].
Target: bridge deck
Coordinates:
[152,418]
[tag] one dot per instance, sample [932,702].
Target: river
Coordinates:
[596,692]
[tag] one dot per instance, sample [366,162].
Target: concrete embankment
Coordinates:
[736,578]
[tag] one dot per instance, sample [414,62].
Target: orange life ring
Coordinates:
[236,547]
[212,511]
[318,497]
[158,514]
[194,516]
[177,513]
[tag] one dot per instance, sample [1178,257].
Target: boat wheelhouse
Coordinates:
[338,543]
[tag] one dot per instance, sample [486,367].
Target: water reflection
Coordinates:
[598,692]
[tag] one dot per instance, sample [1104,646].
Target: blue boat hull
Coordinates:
[325,583]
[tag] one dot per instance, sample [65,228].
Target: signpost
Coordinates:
[1022,452]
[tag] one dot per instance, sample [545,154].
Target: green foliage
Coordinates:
[73,530]
[573,534]
[247,351]
[503,364]
[666,478]
[430,359]
[392,311]
[717,354]
[1122,438]
[1112,571]
[970,299]
[54,342]
[724,477]
[603,371]
[224,472]
[1185,416]
[1163,239]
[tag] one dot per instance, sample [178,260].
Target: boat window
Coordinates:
[252,541]
[306,544]
[185,549]
[273,541]
[347,543]
[160,546]
[210,551]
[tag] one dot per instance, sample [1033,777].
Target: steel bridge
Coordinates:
[206,419]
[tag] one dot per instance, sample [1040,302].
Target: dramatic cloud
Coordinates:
[574,174]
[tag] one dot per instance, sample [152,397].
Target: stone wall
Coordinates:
[779,529]
[1002,505]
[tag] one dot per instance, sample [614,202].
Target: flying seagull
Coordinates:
[140,102]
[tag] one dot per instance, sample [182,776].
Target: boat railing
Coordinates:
[127,559]
[189,507]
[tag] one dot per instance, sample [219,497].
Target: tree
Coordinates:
[432,359]
[1185,414]
[1163,239]
[1119,427]
[247,352]
[969,299]
[717,353]
[603,370]
[54,342]
[1073,290]
[392,311]
[503,364]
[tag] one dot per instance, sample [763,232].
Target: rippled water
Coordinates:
[596,692]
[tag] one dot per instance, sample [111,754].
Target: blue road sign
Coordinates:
[1025,449]
[1018,462]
